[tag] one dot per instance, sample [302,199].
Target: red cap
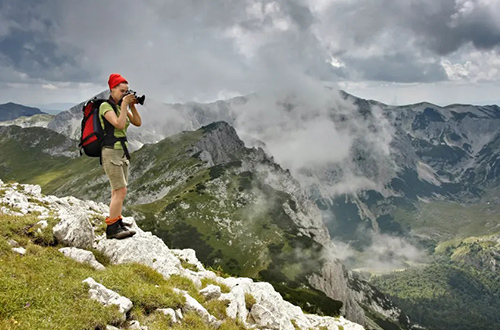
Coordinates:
[115,79]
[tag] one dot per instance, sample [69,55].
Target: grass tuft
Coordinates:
[207,281]
[249,301]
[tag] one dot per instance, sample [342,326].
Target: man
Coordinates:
[114,153]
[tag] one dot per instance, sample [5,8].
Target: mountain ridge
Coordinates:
[11,111]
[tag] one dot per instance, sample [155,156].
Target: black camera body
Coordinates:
[140,99]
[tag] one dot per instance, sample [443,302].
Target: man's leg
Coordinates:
[116,205]
[115,228]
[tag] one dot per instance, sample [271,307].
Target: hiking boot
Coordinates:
[117,231]
[126,226]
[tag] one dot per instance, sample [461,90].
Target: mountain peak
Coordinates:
[220,141]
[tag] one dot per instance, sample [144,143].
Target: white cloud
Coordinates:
[49,86]
[385,254]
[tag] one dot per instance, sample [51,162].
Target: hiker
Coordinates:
[114,154]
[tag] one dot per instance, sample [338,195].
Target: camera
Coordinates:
[140,99]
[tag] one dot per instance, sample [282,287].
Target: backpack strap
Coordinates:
[109,133]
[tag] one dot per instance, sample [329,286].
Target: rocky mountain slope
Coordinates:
[205,190]
[401,178]
[29,121]
[29,220]
[394,161]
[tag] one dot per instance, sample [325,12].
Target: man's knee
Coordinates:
[120,193]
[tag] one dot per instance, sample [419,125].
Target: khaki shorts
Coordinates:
[116,166]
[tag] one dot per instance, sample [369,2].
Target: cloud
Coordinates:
[400,67]
[29,50]
[438,26]
[385,254]
[193,51]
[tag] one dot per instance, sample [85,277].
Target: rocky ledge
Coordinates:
[80,227]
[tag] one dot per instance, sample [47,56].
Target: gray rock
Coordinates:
[188,255]
[192,305]
[178,313]
[135,325]
[221,142]
[264,318]
[169,312]
[42,224]
[74,229]
[211,292]
[13,243]
[108,297]
[143,248]
[82,256]
[20,250]
[332,280]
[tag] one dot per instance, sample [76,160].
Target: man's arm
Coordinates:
[135,117]
[120,121]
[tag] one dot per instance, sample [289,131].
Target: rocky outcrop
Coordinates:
[38,139]
[220,143]
[82,256]
[108,297]
[270,310]
[32,121]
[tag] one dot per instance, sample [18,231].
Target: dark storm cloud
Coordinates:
[198,50]
[28,48]
[439,26]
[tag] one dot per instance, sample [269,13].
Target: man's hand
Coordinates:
[129,99]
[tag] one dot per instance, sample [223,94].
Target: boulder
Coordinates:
[108,297]
[82,256]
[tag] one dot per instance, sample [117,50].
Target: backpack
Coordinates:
[93,136]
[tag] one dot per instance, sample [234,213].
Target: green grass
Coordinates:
[443,221]
[43,289]
[249,301]
[446,294]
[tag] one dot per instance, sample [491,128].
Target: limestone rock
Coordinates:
[143,248]
[110,327]
[82,256]
[135,325]
[169,312]
[264,318]
[211,292]
[108,297]
[192,305]
[13,243]
[188,255]
[20,250]
[74,229]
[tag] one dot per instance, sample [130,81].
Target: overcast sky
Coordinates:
[393,51]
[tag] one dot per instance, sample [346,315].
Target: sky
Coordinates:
[393,51]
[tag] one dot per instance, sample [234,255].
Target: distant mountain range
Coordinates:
[390,183]
[10,111]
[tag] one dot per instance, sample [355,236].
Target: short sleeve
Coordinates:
[104,107]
